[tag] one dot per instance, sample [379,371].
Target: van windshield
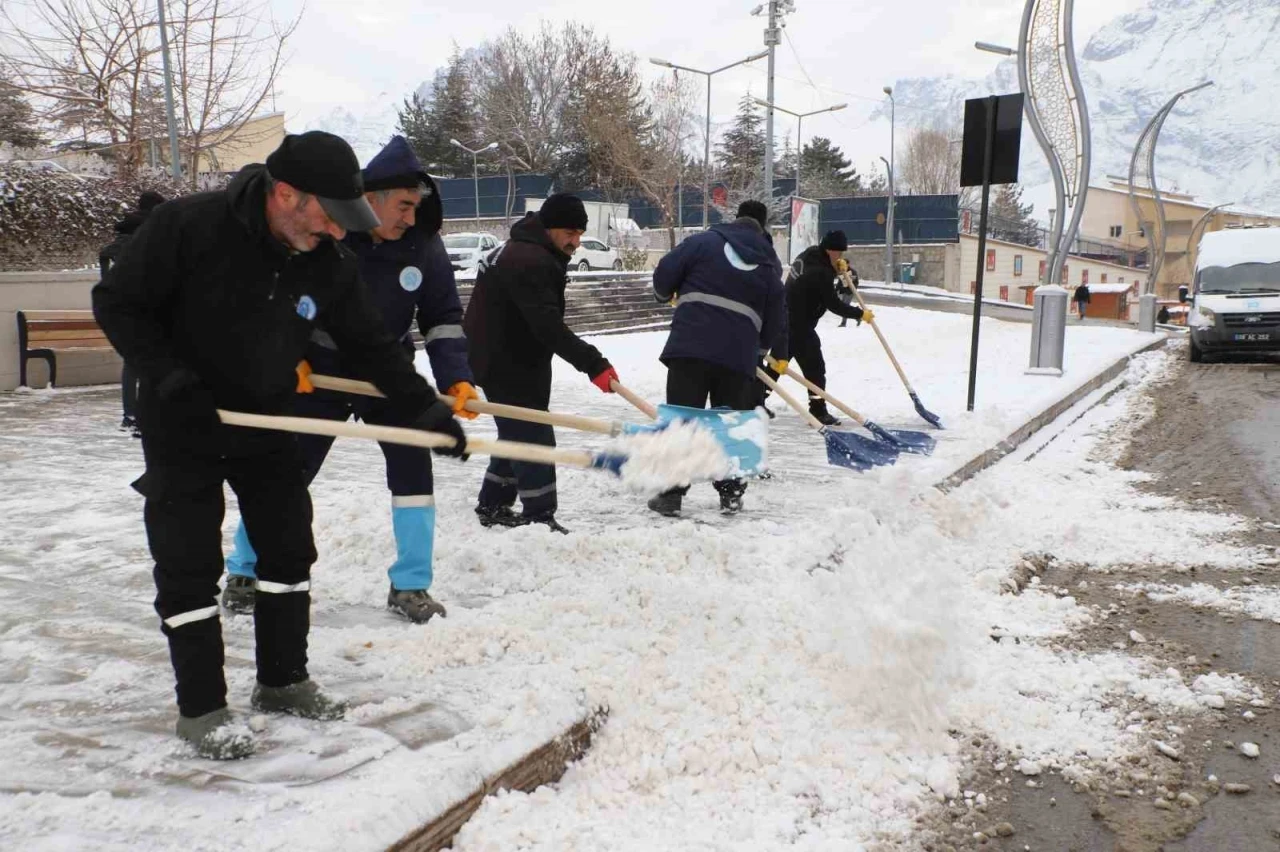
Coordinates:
[461,242]
[1239,278]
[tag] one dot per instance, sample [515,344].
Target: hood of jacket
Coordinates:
[748,241]
[530,230]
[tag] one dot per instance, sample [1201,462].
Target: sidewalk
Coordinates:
[714,659]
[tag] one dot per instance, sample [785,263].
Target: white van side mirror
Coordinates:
[1184,294]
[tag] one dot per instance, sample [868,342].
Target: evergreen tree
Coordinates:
[1010,219]
[17,119]
[827,172]
[447,112]
[413,122]
[610,86]
[740,154]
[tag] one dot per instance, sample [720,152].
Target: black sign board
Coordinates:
[1006,143]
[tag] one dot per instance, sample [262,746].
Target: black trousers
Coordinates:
[504,480]
[184,511]
[693,383]
[806,350]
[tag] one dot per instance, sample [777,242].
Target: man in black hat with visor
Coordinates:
[213,303]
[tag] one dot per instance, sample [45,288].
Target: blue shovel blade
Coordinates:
[611,462]
[851,450]
[906,440]
[743,435]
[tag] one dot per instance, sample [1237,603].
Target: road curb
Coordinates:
[1020,435]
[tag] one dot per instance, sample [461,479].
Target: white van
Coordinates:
[1235,302]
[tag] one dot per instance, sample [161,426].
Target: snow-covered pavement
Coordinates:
[803,675]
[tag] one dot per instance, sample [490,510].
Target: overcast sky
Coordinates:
[363,54]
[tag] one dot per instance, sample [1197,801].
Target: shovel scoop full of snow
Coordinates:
[690,445]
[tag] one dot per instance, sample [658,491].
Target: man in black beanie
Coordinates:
[811,292]
[514,325]
[213,302]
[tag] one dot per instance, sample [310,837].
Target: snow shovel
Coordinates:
[906,440]
[915,398]
[634,398]
[514,450]
[733,430]
[844,449]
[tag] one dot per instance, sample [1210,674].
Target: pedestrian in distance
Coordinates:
[1082,299]
[1163,316]
[726,284]
[810,294]
[213,303]
[515,325]
[404,264]
[844,290]
[124,229]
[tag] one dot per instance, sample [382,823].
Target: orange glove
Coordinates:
[462,392]
[304,377]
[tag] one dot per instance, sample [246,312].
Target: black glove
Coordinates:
[858,318]
[439,418]
[187,398]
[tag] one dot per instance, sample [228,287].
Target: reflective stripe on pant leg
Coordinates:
[190,616]
[499,485]
[413,520]
[536,483]
[242,561]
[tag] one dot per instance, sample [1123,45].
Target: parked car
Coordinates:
[466,250]
[593,254]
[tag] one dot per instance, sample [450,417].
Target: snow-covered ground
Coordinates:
[787,678]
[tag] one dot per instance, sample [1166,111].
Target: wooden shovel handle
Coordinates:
[479,406]
[790,400]
[635,399]
[858,418]
[892,360]
[514,450]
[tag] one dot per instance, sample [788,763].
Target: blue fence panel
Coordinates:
[458,195]
[920,218]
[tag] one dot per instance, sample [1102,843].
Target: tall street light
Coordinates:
[475,169]
[706,154]
[888,227]
[888,242]
[799,117]
[175,160]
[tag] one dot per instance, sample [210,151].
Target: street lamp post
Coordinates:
[475,169]
[889,223]
[175,162]
[799,117]
[706,154]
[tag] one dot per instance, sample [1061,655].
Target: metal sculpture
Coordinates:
[1142,168]
[1197,231]
[1058,115]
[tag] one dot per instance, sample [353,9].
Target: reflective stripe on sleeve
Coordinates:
[444,332]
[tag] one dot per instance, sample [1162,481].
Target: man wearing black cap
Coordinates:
[727,287]
[213,303]
[811,292]
[406,266]
[515,324]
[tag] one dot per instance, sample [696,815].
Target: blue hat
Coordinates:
[395,167]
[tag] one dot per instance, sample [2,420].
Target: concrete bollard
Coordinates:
[1048,330]
[1147,312]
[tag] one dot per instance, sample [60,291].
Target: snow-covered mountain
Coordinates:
[1221,144]
[369,127]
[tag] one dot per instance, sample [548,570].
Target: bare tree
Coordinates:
[653,162]
[931,163]
[93,68]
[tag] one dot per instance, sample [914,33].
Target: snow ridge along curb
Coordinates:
[989,457]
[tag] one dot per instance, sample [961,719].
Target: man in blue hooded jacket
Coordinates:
[730,309]
[404,264]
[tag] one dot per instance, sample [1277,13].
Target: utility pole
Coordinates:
[175,162]
[772,36]
[475,170]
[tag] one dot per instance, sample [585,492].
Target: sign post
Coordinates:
[992,140]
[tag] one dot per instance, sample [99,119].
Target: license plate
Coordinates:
[1251,337]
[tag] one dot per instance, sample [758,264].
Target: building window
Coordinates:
[1044,265]
[973,287]
[1117,230]
[991,260]
[1017,265]
[1004,292]
[1084,276]
[1104,278]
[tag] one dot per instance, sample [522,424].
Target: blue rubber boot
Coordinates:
[240,593]
[413,519]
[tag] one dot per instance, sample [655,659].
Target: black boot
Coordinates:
[731,496]
[818,408]
[547,518]
[499,516]
[667,503]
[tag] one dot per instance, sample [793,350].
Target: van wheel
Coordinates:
[1196,354]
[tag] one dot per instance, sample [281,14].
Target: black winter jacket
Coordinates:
[203,286]
[811,292]
[1082,294]
[124,230]
[515,319]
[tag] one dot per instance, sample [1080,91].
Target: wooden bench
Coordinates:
[44,334]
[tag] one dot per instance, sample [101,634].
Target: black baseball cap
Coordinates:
[324,165]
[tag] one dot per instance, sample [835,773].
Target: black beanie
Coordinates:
[834,241]
[563,211]
[752,209]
